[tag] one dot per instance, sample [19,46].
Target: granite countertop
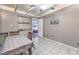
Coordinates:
[14,42]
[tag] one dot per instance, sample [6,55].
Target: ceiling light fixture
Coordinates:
[43,7]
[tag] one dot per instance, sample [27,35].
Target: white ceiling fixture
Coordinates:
[45,6]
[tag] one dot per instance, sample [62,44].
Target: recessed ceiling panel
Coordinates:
[35,11]
[22,7]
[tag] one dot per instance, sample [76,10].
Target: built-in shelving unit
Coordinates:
[24,24]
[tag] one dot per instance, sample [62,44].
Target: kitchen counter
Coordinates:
[15,45]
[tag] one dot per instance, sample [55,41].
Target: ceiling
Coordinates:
[32,9]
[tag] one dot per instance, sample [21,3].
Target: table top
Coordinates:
[14,42]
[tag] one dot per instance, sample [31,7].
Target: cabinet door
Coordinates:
[9,21]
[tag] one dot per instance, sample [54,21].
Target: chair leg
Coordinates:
[30,51]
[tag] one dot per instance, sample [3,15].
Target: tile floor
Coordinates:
[45,46]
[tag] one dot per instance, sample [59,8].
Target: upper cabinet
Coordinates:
[8,21]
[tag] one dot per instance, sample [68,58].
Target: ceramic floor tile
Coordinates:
[73,52]
[47,46]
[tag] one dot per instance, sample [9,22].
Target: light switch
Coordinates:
[11,25]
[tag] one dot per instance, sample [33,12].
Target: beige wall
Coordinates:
[8,21]
[67,31]
[0,23]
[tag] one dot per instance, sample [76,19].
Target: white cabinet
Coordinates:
[8,21]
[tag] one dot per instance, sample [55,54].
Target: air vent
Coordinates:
[77,44]
[40,10]
[32,5]
[52,8]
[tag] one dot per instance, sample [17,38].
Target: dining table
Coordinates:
[16,45]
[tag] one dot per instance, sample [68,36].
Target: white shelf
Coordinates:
[24,23]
